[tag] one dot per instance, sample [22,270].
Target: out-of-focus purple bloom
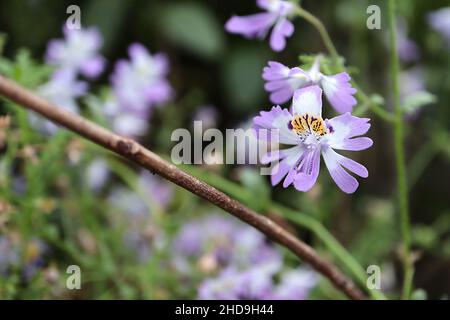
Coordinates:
[226,241]
[97,174]
[282,82]
[439,20]
[232,284]
[408,50]
[311,136]
[207,115]
[77,52]
[62,89]
[139,85]
[258,25]
[413,92]
[245,264]
[129,202]
[295,285]
[158,189]
[411,81]
[213,233]
[8,255]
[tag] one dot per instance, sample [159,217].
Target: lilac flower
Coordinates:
[439,20]
[77,52]
[282,82]
[407,48]
[139,85]
[413,92]
[295,285]
[311,136]
[158,189]
[232,284]
[258,25]
[62,89]
[227,242]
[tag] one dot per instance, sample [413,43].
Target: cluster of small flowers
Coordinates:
[76,55]
[138,85]
[239,261]
[302,126]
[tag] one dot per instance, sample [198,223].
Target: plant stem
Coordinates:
[323,34]
[337,63]
[402,186]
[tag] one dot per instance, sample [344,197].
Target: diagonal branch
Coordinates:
[138,154]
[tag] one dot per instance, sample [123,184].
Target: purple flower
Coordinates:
[139,85]
[232,284]
[439,20]
[282,82]
[77,52]
[226,241]
[407,48]
[62,89]
[295,285]
[311,136]
[158,189]
[258,25]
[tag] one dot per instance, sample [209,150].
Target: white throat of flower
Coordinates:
[310,129]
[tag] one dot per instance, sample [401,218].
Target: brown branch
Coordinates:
[140,155]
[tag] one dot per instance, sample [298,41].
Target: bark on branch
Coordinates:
[138,154]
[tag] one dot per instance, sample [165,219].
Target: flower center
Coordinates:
[308,127]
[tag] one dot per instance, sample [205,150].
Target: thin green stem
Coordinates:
[337,63]
[400,155]
[299,218]
[323,34]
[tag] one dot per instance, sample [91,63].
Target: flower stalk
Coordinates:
[402,186]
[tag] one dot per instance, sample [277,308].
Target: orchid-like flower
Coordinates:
[311,136]
[282,82]
[77,52]
[258,25]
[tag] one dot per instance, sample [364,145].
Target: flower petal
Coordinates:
[308,171]
[344,127]
[276,119]
[339,91]
[343,179]
[252,26]
[351,165]
[275,71]
[308,100]
[282,30]
[290,157]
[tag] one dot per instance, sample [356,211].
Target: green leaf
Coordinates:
[417,101]
[193,27]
